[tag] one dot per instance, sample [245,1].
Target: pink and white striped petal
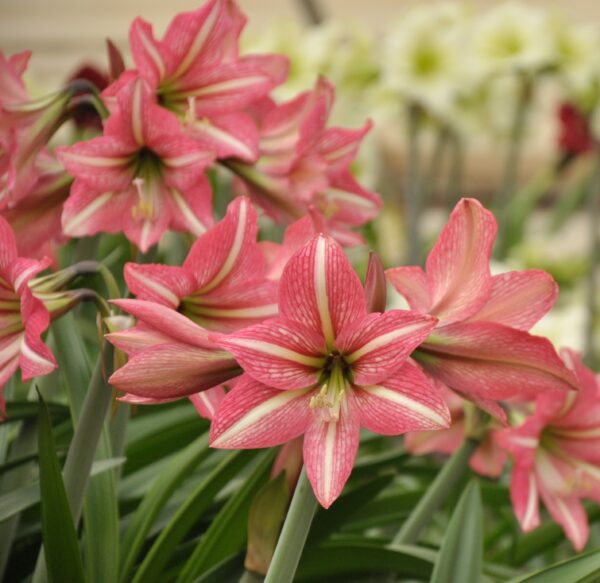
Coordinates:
[168,371]
[207,402]
[524,495]
[280,353]
[377,345]
[137,339]
[519,299]
[8,245]
[411,284]
[191,208]
[147,52]
[253,415]
[320,290]
[571,515]
[167,321]
[407,401]
[458,271]
[163,284]
[330,449]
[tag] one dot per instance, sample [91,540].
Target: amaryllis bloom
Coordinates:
[23,318]
[143,176]
[197,73]
[170,357]
[489,458]
[303,163]
[556,456]
[325,367]
[222,284]
[481,347]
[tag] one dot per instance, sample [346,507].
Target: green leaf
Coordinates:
[20,410]
[228,531]
[162,488]
[63,561]
[187,515]
[579,569]
[26,496]
[460,557]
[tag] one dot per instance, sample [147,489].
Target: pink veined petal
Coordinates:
[524,494]
[521,442]
[320,290]
[23,269]
[183,160]
[518,299]
[147,52]
[228,254]
[377,345]
[87,211]
[191,208]
[137,339]
[167,371]
[493,361]
[330,450]
[491,407]
[167,321]
[207,402]
[163,284]
[8,245]
[231,309]
[407,401]
[339,146]
[345,200]
[200,38]
[280,353]
[458,271]
[253,415]
[103,163]
[439,441]
[411,283]
[36,359]
[230,135]
[10,347]
[570,514]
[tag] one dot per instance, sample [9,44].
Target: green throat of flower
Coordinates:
[328,399]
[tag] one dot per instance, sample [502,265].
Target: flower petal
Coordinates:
[166,321]
[570,514]
[376,346]
[330,450]
[279,353]
[518,299]
[320,290]
[524,494]
[174,370]
[253,415]
[411,283]
[207,402]
[407,401]
[458,269]
[493,361]
[163,284]
[8,245]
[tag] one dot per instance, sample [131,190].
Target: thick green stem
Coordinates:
[593,212]
[452,472]
[412,186]
[294,533]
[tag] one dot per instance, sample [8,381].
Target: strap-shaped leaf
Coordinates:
[460,557]
[579,569]
[63,561]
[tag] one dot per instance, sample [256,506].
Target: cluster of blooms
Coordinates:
[277,341]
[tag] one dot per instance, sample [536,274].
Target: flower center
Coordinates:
[329,401]
[148,171]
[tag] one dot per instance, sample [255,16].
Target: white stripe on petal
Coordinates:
[156,286]
[380,341]
[83,215]
[259,412]
[528,442]
[532,500]
[321,291]
[222,136]
[406,403]
[228,85]
[233,252]
[278,351]
[12,349]
[24,275]
[343,195]
[328,459]
[28,353]
[253,312]
[197,228]
[185,159]
[136,113]
[95,161]
[152,51]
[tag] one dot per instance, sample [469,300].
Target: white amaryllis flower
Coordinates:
[424,57]
[511,37]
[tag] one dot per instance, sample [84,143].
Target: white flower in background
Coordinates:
[511,37]
[575,49]
[565,324]
[424,57]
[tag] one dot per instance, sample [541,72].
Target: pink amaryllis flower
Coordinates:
[556,456]
[170,357]
[143,176]
[222,284]
[481,347]
[489,458]
[304,164]
[23,317]
[325,367]
[197,73]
